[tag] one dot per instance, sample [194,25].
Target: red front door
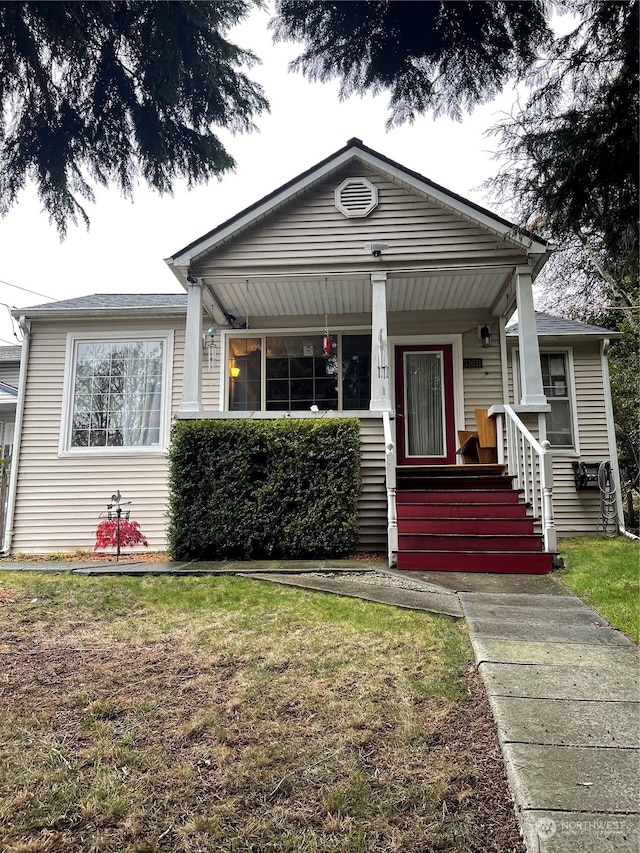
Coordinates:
[425,425]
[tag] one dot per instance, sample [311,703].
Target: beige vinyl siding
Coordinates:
[578,512]
[310,232]
[59,499]
[372,503]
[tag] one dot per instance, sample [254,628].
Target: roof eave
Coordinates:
[565,336]
[105,313]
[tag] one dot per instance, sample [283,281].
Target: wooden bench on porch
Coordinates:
[481,446]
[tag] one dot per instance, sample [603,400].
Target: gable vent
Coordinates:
[356,197]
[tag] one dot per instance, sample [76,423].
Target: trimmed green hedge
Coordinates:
[244,489]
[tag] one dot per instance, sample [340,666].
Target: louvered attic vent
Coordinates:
[356,197]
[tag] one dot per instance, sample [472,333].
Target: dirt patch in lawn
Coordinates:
[160,744]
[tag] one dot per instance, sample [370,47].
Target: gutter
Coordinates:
[25,325]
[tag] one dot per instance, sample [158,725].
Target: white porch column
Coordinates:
[532,392]
[192,379]
[380,390]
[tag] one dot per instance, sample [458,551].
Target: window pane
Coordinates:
[297,372]
[117,394]
[559,423]
[556,388]
[245,368]
[356,371]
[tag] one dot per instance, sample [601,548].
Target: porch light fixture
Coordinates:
[234,370]
[485,336]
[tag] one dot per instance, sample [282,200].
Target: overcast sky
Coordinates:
[123,250]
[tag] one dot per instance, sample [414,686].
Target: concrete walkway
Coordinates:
[565,693]
[564,687]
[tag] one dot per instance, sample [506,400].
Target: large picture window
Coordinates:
[296,372]
[117,394]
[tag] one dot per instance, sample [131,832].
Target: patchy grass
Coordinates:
[605,573]
[157,715]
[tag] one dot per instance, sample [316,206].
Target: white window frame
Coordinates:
[556,449]
[271,333]
[73,340]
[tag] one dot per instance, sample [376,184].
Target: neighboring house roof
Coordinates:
[548,325]
[354,150]
[8,398]
[108,303]
[11,353]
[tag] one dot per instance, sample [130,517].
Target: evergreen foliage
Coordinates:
[444,57]
[110,92]
[245,489]
[572,151]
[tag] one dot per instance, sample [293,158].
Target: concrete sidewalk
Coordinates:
[565,693]
[564,687]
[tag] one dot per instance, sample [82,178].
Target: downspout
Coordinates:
[25,326]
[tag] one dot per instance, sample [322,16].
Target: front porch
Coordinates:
[309,304]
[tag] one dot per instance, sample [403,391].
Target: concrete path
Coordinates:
[564,687]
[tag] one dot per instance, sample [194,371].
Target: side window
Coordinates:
[117,394]
[555,381]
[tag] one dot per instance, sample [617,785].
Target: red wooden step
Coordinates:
[461,510]
[434,542]
[460,484]
[476,496]
[464,561]
[462,526]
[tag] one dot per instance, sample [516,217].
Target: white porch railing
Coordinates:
[530,463]
[390,479]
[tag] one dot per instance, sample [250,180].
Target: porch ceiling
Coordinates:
[282,297]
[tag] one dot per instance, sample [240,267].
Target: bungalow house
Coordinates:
[361,289]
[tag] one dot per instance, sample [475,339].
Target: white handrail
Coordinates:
[530,463]
[390,478]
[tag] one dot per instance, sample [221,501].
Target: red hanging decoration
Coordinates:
[327,345]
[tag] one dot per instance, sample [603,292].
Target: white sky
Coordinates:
[124,248]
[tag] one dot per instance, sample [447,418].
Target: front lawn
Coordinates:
[605,573]
[165,714]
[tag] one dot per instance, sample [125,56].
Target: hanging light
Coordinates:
[485,335]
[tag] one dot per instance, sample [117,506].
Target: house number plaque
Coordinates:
[471,362]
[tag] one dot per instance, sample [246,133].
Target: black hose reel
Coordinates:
[586,474]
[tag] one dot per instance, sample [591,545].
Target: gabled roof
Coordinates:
[547,324]
[354,150]
[104,303]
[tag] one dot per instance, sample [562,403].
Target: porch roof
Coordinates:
[549,326]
